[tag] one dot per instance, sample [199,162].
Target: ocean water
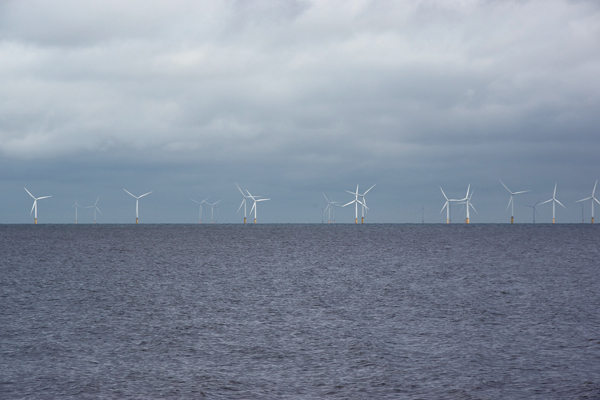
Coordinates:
[300,311]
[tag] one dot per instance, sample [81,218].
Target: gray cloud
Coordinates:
[309,95]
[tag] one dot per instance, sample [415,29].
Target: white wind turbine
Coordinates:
[447,205]
[331,207]
[554,201]
[467,202]
[137,199]
[34,207]
[511,202]
[364,203]
[76,205]
[212,208]
[243,202]
[95,207]
[256,199]
[200,208]
[592,198]
[356,202]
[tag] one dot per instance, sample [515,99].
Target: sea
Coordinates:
[300,311]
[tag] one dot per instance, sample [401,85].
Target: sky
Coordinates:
[293,99]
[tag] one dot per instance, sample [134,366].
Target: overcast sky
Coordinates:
[294,98]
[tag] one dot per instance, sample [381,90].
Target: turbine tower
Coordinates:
[447,205]
[554,201]
[331,207]
[243,202]
[356,202]
[200,206]
[511,202]
[592,198]
[137,199]
[34,207]
[256,199]
[76,205]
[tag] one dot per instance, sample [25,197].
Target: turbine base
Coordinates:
[467,220]
[553,220]
[592,220]
[244,219]
[35,220]
[512,220]
[136,220]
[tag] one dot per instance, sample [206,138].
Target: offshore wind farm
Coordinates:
[356,198]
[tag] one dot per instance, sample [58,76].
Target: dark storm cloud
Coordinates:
[305,94]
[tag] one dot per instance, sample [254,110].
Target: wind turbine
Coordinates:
[511,202]
[243,202]
[137,199]
[364,203]
[356,202]
[554,201]
[76,205]
[592,198]
[200,205]
[447,205]
[34,207]
[212,207]
[422,209]
[331,207]
[256,199]
[534,210]
[467,202]
[95,207]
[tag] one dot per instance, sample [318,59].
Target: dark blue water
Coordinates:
[300,311]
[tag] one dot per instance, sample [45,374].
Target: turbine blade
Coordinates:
[445,205]
[130,194]
[238,186]
[596,200]
[369,189]
[554,195]
[587,198]
[522,191]
[505,187]
[509,201]
[240,207]
[29,193]
[594,190]
[32,207]
[95,204]
[347,204]
[547,201]
[473,207]
[560,204]
[145,194]
[99,210]
[45,197]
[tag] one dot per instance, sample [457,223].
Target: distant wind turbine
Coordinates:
[243,202]
[95,207]
[34,207]
[212,208]
[256,199]
[554,201]
[331,207]
[200,206]
[364,203]
[137,199]
[447,205]
[592,198]
[467,202]
[511,202]
[356,202]
[422,209]
[533,207]
[76,205]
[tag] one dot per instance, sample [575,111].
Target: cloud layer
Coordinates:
[303,94]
